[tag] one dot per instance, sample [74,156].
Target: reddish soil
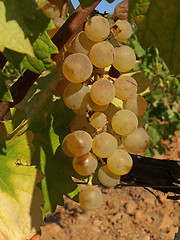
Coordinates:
[130,213]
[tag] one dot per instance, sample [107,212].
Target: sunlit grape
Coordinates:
[120,162]
[90,198]
[136,142]
[107,178]
[122,30]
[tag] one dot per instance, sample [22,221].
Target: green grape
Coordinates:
[126,87]
[76,95]
[107,178]
[81,44]
[120,162]
[102,54]
[98,120]
[136,104]
[110,111]
[61,85]
[97,28]
[96,107]
[124,122]
[79,142]
[90,198]
[80,122]
[77,68]
[122,30]
[124,58]
[121,10]
[102,92]
[64,147]
[85,164]
[136,142]
[104,144]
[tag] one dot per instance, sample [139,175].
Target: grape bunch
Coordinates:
[101,131]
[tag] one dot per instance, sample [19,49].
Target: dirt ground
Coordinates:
[130,213]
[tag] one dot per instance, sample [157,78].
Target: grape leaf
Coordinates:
[20,24]
[49,158]
[20,213]
[5,95]
[43,48]
[157,23]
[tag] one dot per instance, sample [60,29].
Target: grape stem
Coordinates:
[90,180]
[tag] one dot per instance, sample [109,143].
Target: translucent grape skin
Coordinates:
[85,164]
[124,58]
[102,54]
[136,142]
[76,95]
[122,30]
[107,178]
[124,122]
[136,104]
[120,162]
[104,144]
[126,87]
[90,198]
[98,120]
[79,142]
[97,28]
[77,67]
[102,91]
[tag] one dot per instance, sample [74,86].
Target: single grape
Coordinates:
[104,144]
[97,28]
[124,58]
[136,104]
[121,10]
[81,44]
[124,122]
[126,87]
[120,162]
[107,178]
[102,92]
[64,147]
[77,67]
[136,142]
[79,142]
[98,120]
[102,54]
[90,198]
[47,8]
[85,164]
[76,95]
[122,30]
[80,122]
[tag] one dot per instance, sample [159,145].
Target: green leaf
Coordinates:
[157,23]
[86,3]
[20,213]
[12,35]
[5,95]
[43,48]
[49,158]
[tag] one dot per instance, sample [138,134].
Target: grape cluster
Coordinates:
[101,131]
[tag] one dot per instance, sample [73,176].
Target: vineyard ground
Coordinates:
[128,214]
